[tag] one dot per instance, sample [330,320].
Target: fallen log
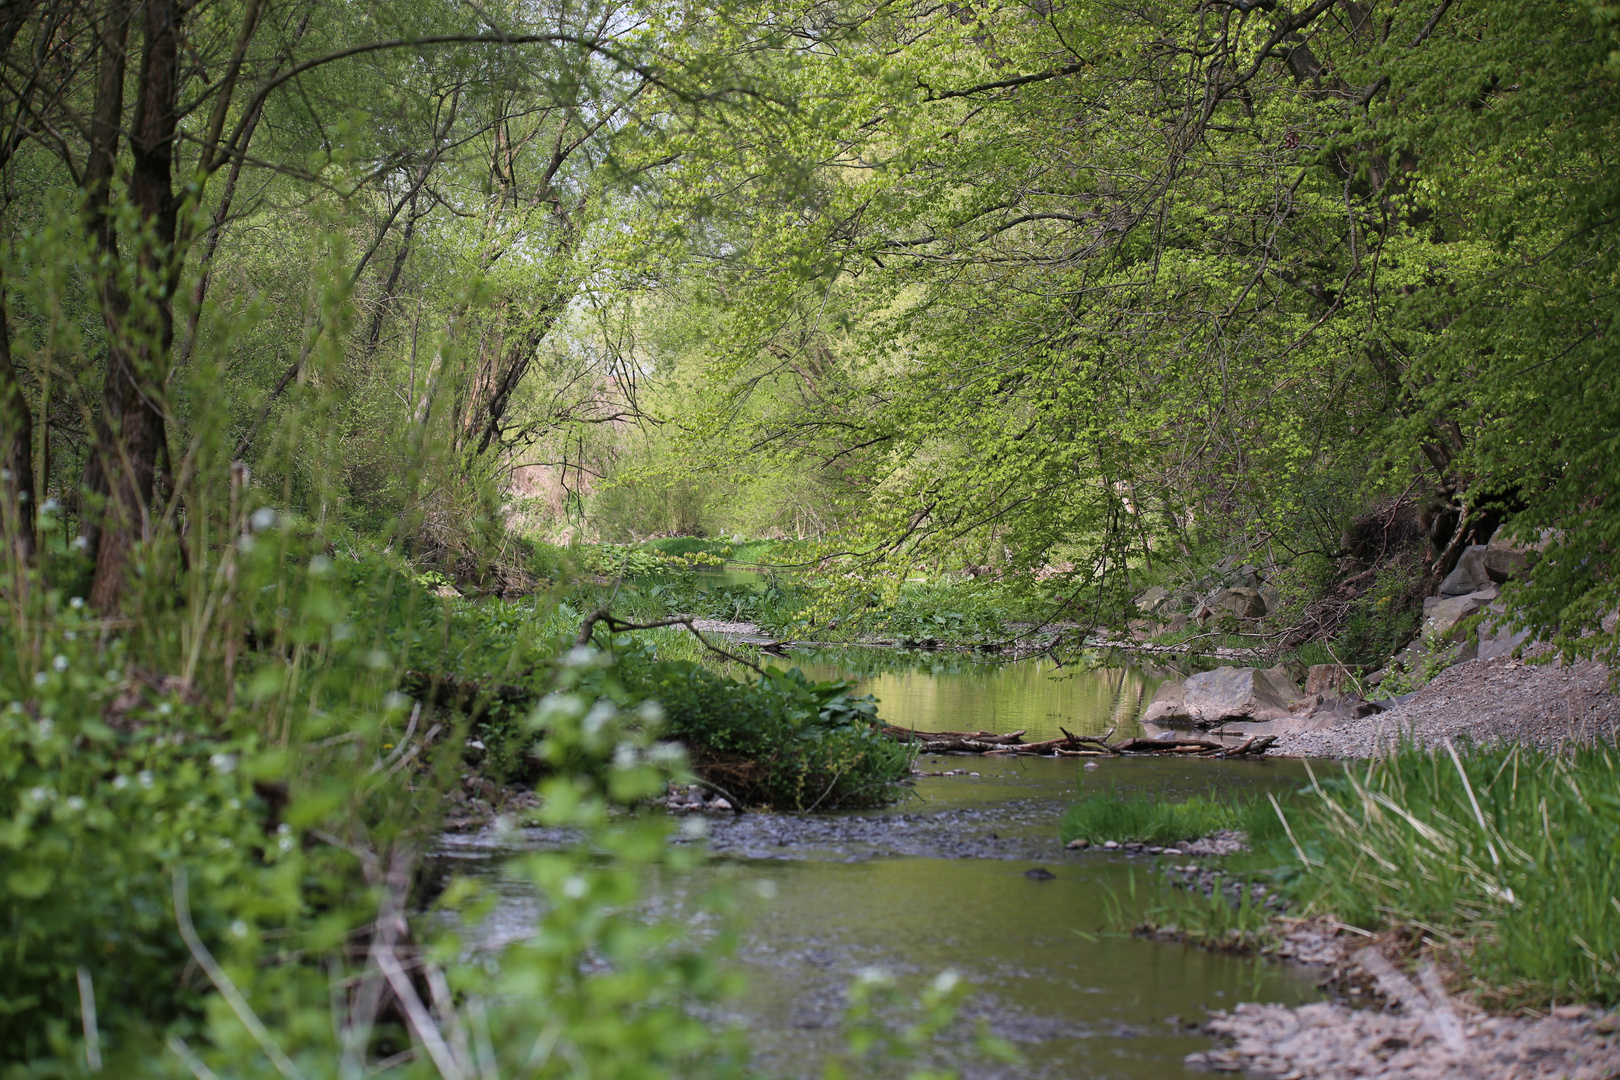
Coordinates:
[1258,744]
[968,746]
[1159,746]
[1071,745]
[1010,738]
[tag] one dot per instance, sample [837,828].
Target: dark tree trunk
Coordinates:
[140,328]
[17,496]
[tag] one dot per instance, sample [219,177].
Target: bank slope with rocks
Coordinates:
[1463,675]
[1499,699]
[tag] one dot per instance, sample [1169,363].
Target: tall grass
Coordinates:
[1507,859]
[1504,861]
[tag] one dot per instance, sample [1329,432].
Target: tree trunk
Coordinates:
[140,328]
[17,496]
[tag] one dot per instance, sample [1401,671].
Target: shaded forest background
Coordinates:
[1034,286]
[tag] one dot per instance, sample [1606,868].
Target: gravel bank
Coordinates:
[1327,1041]
[1485,701]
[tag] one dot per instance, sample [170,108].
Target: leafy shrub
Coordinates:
[780,740]
[620,560]
[1384,619]
[772,606]
[117,783]
[106,783]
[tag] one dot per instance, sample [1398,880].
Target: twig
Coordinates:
[1088,739]
[87,1016]
[222,982]
[177,1046]
[616,625]
[404,741]
[382,954]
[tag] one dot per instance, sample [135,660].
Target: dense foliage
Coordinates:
[781,740]
[1086,286]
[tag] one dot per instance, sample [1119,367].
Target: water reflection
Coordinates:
[960,692]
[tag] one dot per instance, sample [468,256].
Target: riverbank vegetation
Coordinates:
[337,342]
[1101,817]
[1500,863]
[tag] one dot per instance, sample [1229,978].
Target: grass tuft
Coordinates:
[1100,818]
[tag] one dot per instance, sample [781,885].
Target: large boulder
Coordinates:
[1499,639]
[1245,577]
[1244,603]
[1271,596]
[1441,615]
[1164,603]
[1505,560]
[1169,706]
[1213,697]
[1470,574]
[1150,601]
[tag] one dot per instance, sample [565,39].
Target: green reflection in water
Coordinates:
[957,693]
[1076,1004]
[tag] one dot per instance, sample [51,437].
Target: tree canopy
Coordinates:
[1075,286]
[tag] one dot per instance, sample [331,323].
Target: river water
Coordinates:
[939,882]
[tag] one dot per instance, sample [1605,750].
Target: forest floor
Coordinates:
[1483,701]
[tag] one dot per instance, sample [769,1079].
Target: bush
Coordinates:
[1384,618]
[107,782]
[779,740]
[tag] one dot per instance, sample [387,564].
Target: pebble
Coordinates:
[1078,845]
[1110,845]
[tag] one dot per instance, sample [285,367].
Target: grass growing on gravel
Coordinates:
[1100,818]
[1506,858]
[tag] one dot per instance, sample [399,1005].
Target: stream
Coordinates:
[939,882]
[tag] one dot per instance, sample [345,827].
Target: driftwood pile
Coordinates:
[986,742]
